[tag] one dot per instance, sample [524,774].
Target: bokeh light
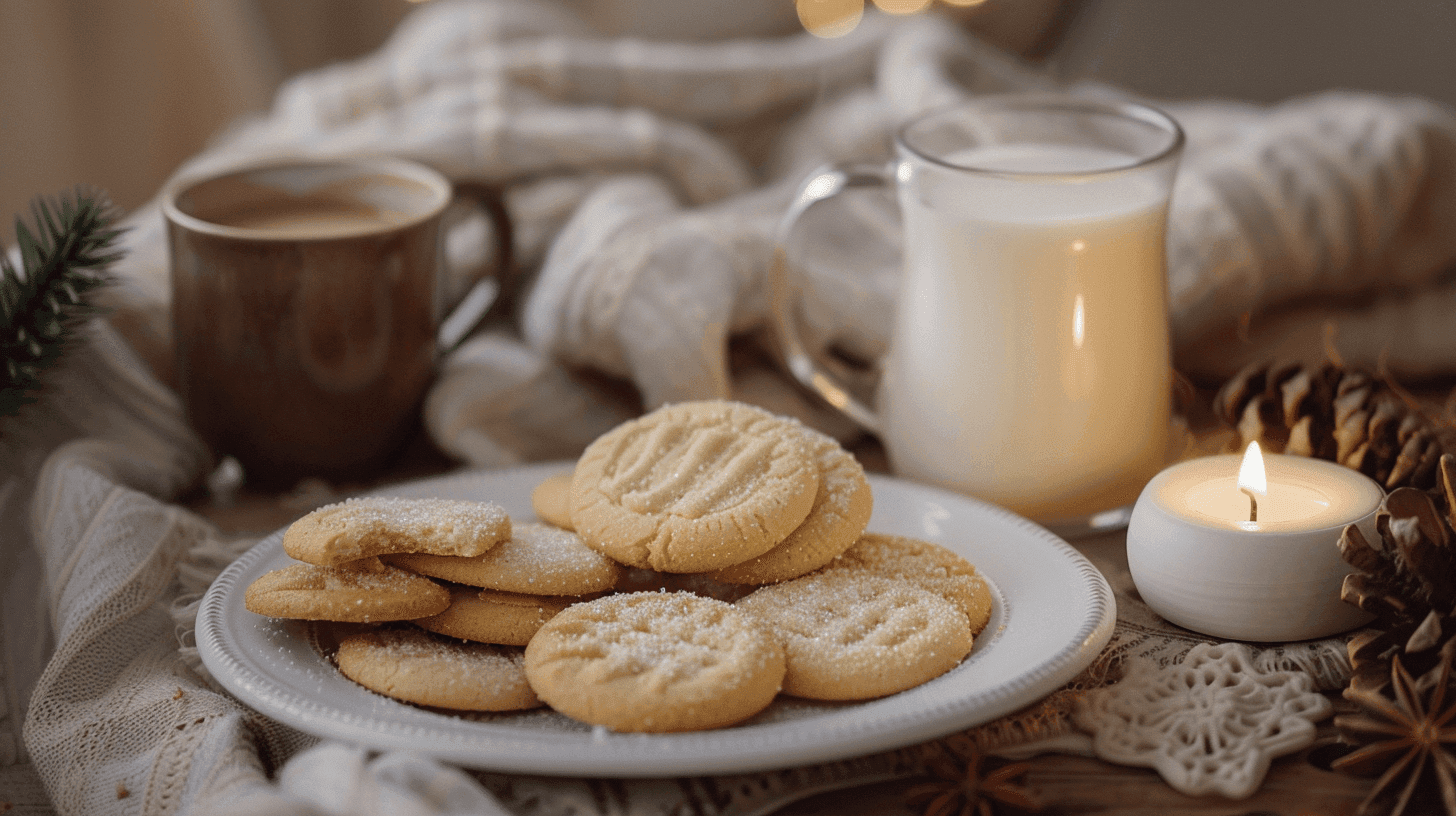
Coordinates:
[829,18]
[902,6]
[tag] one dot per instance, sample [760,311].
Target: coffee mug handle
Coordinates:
[785,292]
[493,292]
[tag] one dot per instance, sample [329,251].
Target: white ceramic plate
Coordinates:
[1054,612]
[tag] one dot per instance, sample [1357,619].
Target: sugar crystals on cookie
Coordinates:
[375,525]
[655,661]
[502,618]
[839,514]
[693,487]
[855,637]
[538,559]
[925,564]
[419,667]
[311,592]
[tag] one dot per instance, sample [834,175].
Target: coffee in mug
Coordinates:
[305,307]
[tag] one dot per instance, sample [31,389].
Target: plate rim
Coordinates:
[738,750]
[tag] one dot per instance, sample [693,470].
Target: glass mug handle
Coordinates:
[493,291]
[785,293]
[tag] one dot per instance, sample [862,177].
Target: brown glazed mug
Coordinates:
[306,304]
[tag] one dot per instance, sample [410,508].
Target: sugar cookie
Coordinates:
[310,592]
[855,637]
[551,499]
[693,487]
[698,583]
[504,618]
[418,667]
[369,564]
[537,559]
[926,565]
[841,510]
[359,528]
[655,661]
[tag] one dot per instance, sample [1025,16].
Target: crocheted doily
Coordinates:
[1210,724]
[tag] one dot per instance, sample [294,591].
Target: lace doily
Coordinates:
[1211,724]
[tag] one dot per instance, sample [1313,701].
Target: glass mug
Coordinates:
[1029,362]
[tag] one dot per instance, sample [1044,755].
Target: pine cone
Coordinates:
[1406,579]
[1330,412]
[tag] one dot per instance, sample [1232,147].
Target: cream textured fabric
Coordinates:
[645,182]
[646,179]
[1334,210]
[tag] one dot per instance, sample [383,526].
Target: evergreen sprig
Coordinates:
[64,255]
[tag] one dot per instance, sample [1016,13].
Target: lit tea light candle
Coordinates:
[1248,548]
[1302,492]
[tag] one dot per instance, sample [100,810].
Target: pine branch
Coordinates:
[64,255]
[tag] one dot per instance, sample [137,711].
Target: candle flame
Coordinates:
[1251,472]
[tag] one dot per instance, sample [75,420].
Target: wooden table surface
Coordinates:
[1296,785]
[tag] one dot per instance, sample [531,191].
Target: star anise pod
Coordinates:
[961,783]
[1409,740]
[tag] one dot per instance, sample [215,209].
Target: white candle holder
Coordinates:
[1203,566]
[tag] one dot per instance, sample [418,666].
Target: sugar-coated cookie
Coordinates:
[359,528]
[551,499]
[537,559]
[693,487]
[855,637]
[655,661]
[840,512]
[698,583]
[926,565]
[311,592]
[486,616]
[369,564]
[419,667]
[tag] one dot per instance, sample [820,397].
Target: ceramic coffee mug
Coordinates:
[306,301]
[1029,355]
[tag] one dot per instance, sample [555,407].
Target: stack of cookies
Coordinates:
[755,522]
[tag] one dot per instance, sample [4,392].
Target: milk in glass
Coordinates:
[1029,361]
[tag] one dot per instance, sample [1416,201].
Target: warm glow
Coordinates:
[1079,322]
[963,3]
[829,18]
[1251,472]
[901,6]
